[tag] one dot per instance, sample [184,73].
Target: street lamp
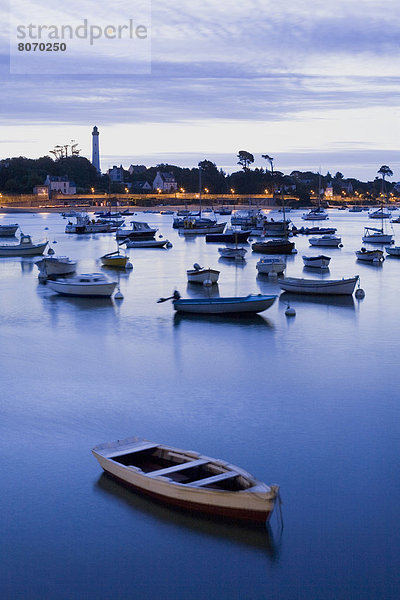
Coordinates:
[232,191]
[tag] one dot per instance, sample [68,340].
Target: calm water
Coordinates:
[311,403]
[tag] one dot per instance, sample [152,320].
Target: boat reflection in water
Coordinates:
[239,319]
[259,537]
[339,301]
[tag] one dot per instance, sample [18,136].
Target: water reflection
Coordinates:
[260,537]
[340,301]
[239,264]
[323,272]
[27,265]
[238,318]
[197,290]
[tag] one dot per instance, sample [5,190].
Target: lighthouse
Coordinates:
[95,149]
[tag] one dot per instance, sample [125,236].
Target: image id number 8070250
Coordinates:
[42,47]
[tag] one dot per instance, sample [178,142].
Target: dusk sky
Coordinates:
[313,84]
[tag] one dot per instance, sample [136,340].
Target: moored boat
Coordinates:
[86,285]
[271,265]
[373,235]
[153,243]
[139,231]
[315,214]
[330,240]
[8,230]
[191,227]
[85,225]
[317,262]
[54,266]
[200,275]
[379,213]
[187,479]
[393,250]
[116,259]
[253,303]
[273,247]
[229,236]
[375,256]
[25,247]
[319,286]
[234,253]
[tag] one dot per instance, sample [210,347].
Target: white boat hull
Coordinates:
[219,228]
[325,241]
[316,262]
[271,265]
[377,238]
[317,286]
[23,250]
[200,276]
[71,288]
[253,504]
[393,250]
[53,266]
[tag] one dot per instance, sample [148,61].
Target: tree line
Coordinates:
[19,175]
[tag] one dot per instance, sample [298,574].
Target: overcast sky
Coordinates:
[312,83]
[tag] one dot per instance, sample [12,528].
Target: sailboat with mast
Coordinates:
[277,246]
[375,235]
[318,213]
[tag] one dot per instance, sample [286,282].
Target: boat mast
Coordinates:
[200,169]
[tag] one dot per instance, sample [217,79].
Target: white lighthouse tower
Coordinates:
[95,149]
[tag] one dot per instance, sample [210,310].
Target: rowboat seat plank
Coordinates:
[130,450]
[180,467]
[214,479]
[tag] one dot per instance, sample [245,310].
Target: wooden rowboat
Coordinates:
[187,479]
[319,286]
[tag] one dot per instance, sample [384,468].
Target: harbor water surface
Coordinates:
[309,402]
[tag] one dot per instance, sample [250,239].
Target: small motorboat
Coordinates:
[55,266]
[393,250]
[330,240]
[188,479]
[86,285]
[229,236]
[314,230]
[147,243]
[315,214]
[8,230]
[233,253]
[85,225]
[319,286]
[253,303]
[380,213]
[191,227]
[273,247]
[201,275]
[317,262]
[117,259]
[271,265]
[138,231]
[25,247]
[374,256]
[373,235]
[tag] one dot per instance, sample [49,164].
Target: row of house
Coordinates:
[55,184]
[163,181]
